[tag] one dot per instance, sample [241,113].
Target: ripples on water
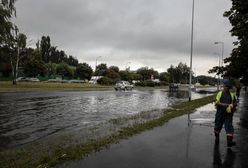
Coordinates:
[26,117]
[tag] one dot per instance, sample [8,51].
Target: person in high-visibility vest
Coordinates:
[225,102]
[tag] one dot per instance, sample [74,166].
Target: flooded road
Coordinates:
[27,117]
[179,143]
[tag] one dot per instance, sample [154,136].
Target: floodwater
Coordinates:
[30,116]
[185,141]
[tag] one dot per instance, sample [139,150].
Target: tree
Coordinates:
[45,47]
[62,56]
[114,69]
[125,75]
[64,70]
[54,54]
[101,70]
[35,65]
[51,69]
[16,49]
[147,73]
[7,11]
[83,71]
[72,61]
[178,74]
[238,61]
[172,73]
[113,73]
[183,71]
[105,81]
[164,76]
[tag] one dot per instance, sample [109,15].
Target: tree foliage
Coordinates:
[16,51]
[64,70]
[147,73]
[83,71]
[113,73]
[35,65]
[50,54]
[206,80]
[238,61]
[7,11]
[178,74]
[105,81]
[101,70]
[164,76]
[45,48]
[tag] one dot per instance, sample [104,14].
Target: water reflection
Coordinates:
[26,117]
[228,161]
[179,94]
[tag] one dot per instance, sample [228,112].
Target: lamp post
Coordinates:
[127,65]
[222,50]
[97,59]
[220,60]
[191,49]
[218,83]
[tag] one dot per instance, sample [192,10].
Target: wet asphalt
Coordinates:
[186,141]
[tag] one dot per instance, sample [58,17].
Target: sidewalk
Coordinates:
[178,143]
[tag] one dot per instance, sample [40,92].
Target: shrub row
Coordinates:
[151,83]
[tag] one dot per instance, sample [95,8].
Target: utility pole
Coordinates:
[191,49]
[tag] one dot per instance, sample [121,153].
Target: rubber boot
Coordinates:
[230,141]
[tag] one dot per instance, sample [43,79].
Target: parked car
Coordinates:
[123,85]
[54,80]
[21,79]
[34,80]
[76,81]
[25,79]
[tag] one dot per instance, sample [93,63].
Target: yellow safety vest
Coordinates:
[218,96]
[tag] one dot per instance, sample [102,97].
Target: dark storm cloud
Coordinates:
[146,31]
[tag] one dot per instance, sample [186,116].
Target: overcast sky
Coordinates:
[135,33]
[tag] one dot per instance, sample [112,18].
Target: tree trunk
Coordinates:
[14,65]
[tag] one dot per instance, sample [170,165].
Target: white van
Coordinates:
[94,79]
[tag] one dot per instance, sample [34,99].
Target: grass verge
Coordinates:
[24,159]
[46,86]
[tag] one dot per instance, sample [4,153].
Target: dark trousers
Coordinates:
[222,117]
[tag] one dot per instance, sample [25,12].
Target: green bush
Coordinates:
[105,81]
[64,70]
[163,83]
[145,83]
[151,84]
[140,84]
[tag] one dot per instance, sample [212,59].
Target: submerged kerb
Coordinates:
[83,150]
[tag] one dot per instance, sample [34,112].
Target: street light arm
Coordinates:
[96,61]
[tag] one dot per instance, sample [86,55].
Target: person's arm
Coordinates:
[222,104]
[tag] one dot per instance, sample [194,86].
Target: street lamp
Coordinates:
[97,59]
[222,50]
[218,84]
[220,60]
[191,49]
[127,65]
